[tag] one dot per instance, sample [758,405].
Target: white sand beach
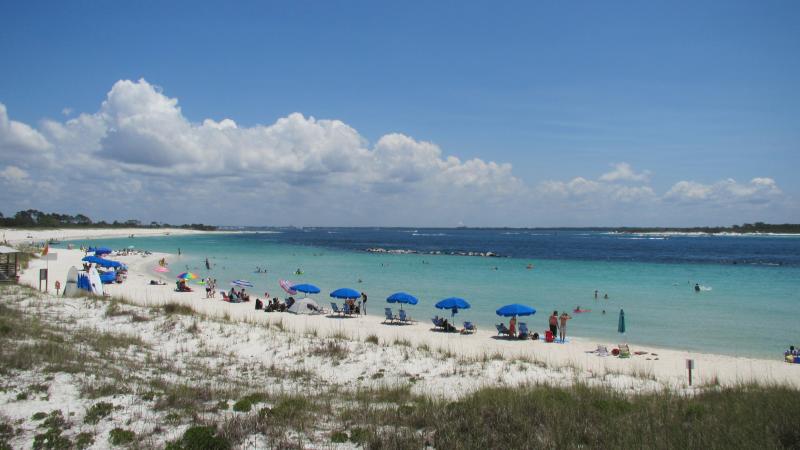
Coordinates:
[448,366]
[17,236]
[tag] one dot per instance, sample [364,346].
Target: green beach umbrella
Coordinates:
[621,325]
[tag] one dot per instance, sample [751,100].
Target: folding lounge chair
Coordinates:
[346,309]
[437,323]
[469,327]
[403,318]
[335,309]
[624,351]
[523,331]
[501,330]
[389,316]
[602,350]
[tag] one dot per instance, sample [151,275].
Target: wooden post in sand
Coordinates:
[689,367]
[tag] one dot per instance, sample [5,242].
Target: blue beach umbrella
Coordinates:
[621,325]
[402,298]
[515,310]
[102,251]
[452,303]
[306,288]
[344,293]
[102,262]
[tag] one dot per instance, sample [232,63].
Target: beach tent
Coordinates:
[103,262]
[305,306]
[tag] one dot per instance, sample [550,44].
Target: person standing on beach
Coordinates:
[364,303]
[562,329]
[512,326]
[554,324]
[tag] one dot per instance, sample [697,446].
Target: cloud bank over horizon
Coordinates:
[138,156]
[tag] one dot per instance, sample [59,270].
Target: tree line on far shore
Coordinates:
[758,227]
[32,218]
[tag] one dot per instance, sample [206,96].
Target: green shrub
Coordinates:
[119,436]
[359,435]
[39,415]
[200,438]
[245,404]
[338,437]
[97,412]
[84,440]
[372,339]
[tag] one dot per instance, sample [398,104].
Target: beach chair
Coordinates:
[624,351]
[346,309]
[469,327]
[403,318]
[335,309]
[502,330]
[602,350]
[389,316]
[523,331]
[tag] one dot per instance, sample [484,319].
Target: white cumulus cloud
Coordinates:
[624,172]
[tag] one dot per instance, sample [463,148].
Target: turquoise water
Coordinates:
[751,310]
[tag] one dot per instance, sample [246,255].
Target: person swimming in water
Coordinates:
[697,287]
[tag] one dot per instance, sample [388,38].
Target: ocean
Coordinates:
[749,304]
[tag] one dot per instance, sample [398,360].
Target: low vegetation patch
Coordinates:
[200,437]
[121,436]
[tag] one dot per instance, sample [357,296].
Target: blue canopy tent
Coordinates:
[515,310]
[103,262]
[452,303]
[402,298]
[306,288]
[345,293]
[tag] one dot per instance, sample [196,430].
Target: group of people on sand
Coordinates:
[235,296]
[792,355]
[273,305]
[211,287]
[558,325]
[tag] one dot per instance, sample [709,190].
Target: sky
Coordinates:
[403,113]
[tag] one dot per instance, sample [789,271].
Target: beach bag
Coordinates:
[548,336]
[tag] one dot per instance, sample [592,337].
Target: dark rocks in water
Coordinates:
[432,252]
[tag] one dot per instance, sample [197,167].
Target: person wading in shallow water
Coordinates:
[364,303]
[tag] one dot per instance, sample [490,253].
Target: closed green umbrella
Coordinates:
[621,325]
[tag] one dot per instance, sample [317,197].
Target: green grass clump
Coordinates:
[200,438]
[177,308]
[97,412]
[39,415]
[373,339]
[120,436]
[338,437]
[245,404]
[84,440]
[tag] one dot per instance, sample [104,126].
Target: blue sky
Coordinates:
[698,92]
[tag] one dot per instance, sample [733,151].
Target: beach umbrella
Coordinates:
[621,325]
[515,310]
[102,251]
[286,285]
[241,283]
[161,269]
[306,288]
[345,293]
[187,276]
[102,262]
[452,303]
[402,298]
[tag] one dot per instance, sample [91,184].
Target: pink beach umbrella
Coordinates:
[286,285]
